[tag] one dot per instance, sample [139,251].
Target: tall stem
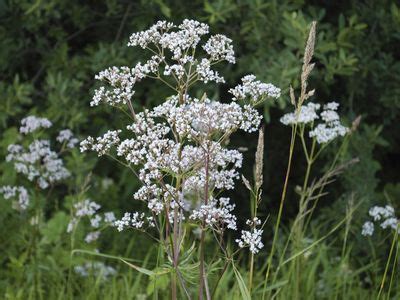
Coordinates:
[173,286]
[253,215]
[395,238]
[283,196]
[251,272]
[175,244]
[174,255]
[300,217]
[202,279]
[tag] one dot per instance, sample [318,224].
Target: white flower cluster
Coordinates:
[158,154]
[123,79]
[325,132]
[206,74]
[92,236]
[89,209]
[174,47]
[18,193]
[254,90]
[368,229]
[151,35]
[199,118]
[307,114]
[97,269]
[86,208]
[384,215]
[251,238]
[186,37]
[38,163]
[32,123]
[134,220]
[163,37]
[184,137]
[102,144]
[66,136]
[217,214]
[219,47]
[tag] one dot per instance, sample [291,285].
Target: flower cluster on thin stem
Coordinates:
[178,149]
[88,211]
[384,216]
[38,162]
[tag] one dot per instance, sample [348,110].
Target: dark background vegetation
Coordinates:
[51,50]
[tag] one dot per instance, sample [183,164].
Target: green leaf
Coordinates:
[53,230]
[242,286]
[139,269]
[164,8]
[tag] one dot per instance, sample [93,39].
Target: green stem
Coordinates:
[283,196]
[394,265]
[299,224]
[202,278]
[254,201]
[395,238]
[251,272]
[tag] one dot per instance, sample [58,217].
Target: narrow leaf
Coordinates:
[242,286]
[139,269]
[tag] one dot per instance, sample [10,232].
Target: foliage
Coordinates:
[49,51]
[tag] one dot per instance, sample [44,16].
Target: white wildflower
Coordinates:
[390,223]
[152,35]
[95,221]
[219,47]
[72,224]
[32,123]
[188,36]
[86,208]
[324,133]
[329,116]
[368,229]
[378,213]
[206,74]
[383,215]
[155,206]
[177,70]
[331,106]
[251,119]
[102,144]
[184,137]
[66,136]
[109,217]
[252,239]
[92,236]
[19,194]
[131,220]
[254,89]
[307,114]
[218,213]
[38,162]
[97,269]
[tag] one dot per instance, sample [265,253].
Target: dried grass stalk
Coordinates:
[259,160]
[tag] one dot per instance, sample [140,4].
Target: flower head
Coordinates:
[32,123]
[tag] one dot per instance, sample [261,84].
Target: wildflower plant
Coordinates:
[38,175]
[88,212]
[384,216]
[316,128]
[36,161]
[179,149]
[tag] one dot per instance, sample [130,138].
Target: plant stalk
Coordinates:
[202,238]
